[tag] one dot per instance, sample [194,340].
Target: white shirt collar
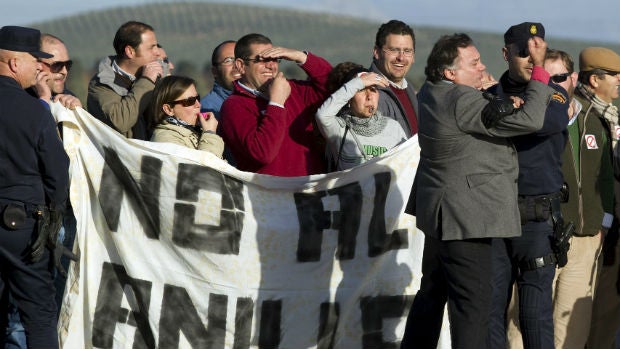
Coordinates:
[120,71]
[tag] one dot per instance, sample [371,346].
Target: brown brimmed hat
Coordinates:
[599,58]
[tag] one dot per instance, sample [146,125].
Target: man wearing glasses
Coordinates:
[530,259]
[120,92]
[224,73]
[51,79]
[393,55]
[268,120]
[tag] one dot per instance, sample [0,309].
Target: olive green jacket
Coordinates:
[119,102]
[588,171]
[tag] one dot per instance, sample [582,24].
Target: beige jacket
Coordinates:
[169,133]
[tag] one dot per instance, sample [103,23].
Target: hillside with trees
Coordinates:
[190,31]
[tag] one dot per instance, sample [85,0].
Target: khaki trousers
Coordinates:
[573,295]
[606,308]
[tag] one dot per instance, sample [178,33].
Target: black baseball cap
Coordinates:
[519,34]
[22,39]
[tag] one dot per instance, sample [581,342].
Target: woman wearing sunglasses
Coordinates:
[177,117]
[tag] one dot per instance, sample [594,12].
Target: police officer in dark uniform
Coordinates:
[33,188]
[531,259]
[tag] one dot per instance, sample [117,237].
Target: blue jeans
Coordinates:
[15,333]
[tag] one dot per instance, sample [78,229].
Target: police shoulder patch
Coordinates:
[558,97]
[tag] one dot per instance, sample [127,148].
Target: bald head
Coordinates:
[54,66]
[21,66]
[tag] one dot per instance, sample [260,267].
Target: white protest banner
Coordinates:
[180,250]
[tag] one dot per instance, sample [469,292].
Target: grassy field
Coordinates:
[190,31]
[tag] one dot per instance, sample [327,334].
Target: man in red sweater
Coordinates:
[268,120]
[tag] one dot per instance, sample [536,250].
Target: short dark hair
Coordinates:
[343,73]
[444,54]
[130,34]
[584,76]
[553,55]
[167,90]
[242,48]
[216,51]
[395,27]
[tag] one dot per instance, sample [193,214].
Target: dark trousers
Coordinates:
[534,287]
[30,285]
[457,272]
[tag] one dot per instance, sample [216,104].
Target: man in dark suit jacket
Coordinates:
[466,187]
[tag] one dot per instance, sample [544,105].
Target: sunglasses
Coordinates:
[262,60]
[56,67]
[187,102]
[611,73]
[558,78]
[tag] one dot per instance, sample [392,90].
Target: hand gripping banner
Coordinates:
[180,250]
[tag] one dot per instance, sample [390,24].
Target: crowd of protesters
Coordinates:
[517,190]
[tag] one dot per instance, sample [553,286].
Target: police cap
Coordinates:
[22,39]
[520,33]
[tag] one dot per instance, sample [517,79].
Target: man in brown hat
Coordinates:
[34,184]
[592,204]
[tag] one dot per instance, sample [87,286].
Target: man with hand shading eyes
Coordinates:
[268,121]
[530,259]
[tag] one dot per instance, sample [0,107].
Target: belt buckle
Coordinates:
[539,262]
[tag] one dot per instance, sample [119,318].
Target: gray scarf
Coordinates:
[607,110]
[366,126]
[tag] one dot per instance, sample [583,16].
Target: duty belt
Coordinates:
[537,208]
[14,213]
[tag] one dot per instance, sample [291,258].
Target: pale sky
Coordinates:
[560,18]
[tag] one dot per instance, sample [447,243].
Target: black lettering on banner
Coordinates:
[243,323]
[374,310]
[223,238]
[270,319]
[113,285]
[328,322]
[313,219]
[378,240]
[178,313]
[116,180]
